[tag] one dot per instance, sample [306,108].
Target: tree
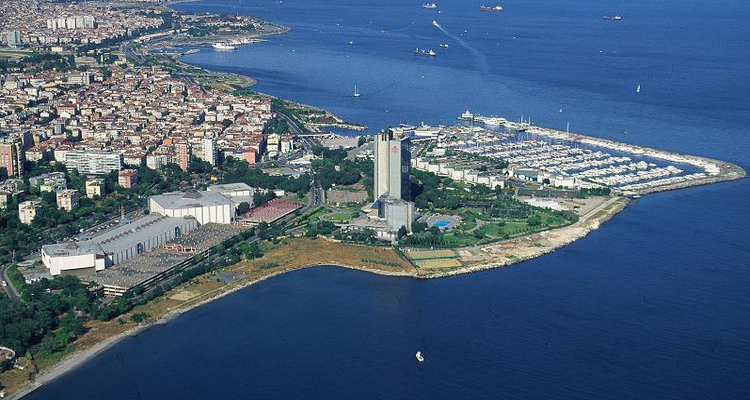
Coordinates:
[362,140]
[402,231]
[534,220]
[418,227]
[243,207]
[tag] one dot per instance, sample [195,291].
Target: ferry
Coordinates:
[223,46]
[420,52]
[495,9]
[429,5]
[419,356]
[491,120]
[616,17]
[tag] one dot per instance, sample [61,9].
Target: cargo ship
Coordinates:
[495,9]
[616,17]
[420,52]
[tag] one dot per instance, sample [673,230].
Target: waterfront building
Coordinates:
[95,187]
[92,162]
[396,212]
[114,246]
[11,156]
[67,199]
[392,166]
[127,178]
[28,210]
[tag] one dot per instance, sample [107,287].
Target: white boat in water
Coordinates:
[420,52]
[419,356]
[223,46]
[356,93]
[467,116]
[429,5]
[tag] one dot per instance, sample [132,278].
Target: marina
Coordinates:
[560,159]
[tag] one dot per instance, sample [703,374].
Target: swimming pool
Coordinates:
[441,223]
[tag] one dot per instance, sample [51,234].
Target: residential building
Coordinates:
[156,161]
[67,199]
[28,210]
[14,39]
[209,150]
[95,187]
[183,154]
[92,162]
[127,178]
[11,155]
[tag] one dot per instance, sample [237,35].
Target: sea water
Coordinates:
[654,305]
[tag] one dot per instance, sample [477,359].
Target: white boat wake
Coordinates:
[479,58]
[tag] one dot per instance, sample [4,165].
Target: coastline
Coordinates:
[78,357]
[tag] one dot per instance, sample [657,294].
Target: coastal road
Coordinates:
[294,129]
[8,288]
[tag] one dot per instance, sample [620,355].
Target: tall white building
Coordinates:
[14,39]
[392,166]
[209,150]
[93,162]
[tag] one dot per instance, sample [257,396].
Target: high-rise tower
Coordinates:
[392,166]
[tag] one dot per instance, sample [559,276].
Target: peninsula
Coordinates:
[241,186]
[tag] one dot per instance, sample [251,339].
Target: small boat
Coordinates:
[429,6]
[420,52]
[435,23]
[467,116]
[495,9]
[356,93]
[615,17]
[351,42]
[419,356]
[638,89]
[444,45]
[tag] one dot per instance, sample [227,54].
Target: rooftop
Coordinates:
[136,231]
[70,249]
[230,187]
[191,199]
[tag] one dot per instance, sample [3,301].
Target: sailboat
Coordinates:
[638,89]
[356,93]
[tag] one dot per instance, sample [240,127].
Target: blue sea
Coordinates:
[654,305]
